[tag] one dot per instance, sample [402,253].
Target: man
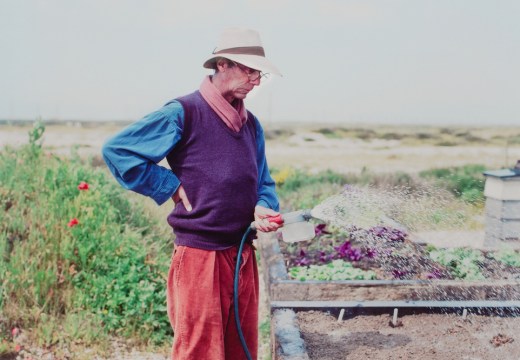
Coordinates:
[220,182]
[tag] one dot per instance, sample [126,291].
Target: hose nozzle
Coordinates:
[288,218]
[296,226]
[296,216]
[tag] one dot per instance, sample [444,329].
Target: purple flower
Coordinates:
[343,249]
[320,230]
[303,262]
[377,231]
[354,254]
[398,274]
[324,257]
[371,253]
[434,274]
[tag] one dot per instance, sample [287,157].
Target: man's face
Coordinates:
[240,80]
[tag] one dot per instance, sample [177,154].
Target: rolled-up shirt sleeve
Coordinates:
[133,155]
[266,186]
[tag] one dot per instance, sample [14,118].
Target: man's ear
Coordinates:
[222,64]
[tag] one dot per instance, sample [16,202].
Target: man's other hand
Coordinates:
[180,195]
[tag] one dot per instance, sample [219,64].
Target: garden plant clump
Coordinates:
[359,244]
[80,260]
[383,252]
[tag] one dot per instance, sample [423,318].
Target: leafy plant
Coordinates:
[463,263]
[509,257]
[335,270]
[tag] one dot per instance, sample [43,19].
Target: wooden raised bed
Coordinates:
[286,294]
[282,288]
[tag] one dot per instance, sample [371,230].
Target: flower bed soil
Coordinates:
[421,336]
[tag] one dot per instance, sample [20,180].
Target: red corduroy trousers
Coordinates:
[200,303]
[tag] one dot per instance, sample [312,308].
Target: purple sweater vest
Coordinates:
[218,170]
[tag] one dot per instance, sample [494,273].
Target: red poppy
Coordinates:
[18,348]
[83,186]
[15,331]
[73,222]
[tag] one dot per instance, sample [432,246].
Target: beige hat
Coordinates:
[244,47]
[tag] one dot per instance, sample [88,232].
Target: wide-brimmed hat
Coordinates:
[244,47]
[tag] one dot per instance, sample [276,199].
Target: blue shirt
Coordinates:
[133,155]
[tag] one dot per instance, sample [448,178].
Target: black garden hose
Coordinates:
[235,291]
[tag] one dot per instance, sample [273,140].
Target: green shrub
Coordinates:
[335,270]
[364,134]
[466,182]
[294,179]
[446,143]
[425,136]
[514,140]
[299,189]
[109,268]
[392,136]
[331,133]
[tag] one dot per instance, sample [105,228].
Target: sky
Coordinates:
[348,62]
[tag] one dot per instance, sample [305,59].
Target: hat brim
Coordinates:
[253,61]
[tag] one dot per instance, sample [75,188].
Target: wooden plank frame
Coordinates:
[282,288]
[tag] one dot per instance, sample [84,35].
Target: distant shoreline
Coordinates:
[344,148]
[270,124]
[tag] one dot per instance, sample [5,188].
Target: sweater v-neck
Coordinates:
[222,124]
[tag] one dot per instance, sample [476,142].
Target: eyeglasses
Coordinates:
[252,74]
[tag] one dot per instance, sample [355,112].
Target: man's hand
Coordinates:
[261,221]
[180,195]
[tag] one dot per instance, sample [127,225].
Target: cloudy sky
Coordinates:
[384,61]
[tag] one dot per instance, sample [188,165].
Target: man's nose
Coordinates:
[256,82]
